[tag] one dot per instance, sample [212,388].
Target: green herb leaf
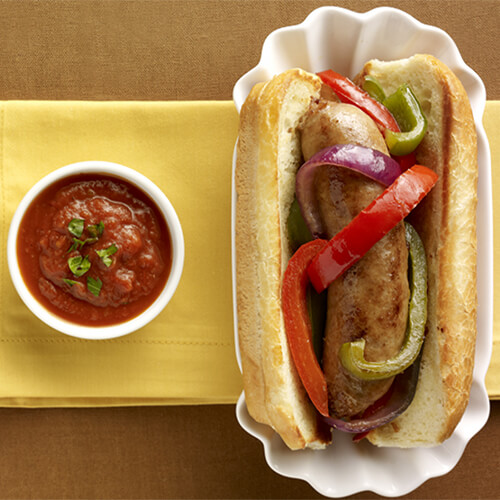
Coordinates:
[75,227]
[96,230]
[77,245]
[106,253]
[94,285]
[79,265]
[70,282]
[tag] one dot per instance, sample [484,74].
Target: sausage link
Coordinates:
[370,300]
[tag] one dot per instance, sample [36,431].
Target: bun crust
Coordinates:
[268,156]
[446,222]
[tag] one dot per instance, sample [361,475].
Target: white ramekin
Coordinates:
[174,226]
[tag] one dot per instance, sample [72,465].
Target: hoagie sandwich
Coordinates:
[344,198]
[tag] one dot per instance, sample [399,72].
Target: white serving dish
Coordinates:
[343,40]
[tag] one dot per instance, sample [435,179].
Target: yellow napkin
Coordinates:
[186,355]
[491,122]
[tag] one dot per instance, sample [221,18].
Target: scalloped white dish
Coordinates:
[343,40]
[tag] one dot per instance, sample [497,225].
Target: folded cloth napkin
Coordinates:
[491,122]
[186,355]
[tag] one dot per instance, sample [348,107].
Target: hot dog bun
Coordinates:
[446,222]
[268,157]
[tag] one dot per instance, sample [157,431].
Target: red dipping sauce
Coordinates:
[94,249]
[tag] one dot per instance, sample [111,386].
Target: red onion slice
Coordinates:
[403,391]
[370,162]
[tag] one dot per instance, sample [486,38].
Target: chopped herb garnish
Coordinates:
[75,227]
[77,245]
[79,265]
[94,285]
[106,253]
[96,230]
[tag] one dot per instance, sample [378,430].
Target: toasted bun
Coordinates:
[267,160]
[268,157]
[446,222]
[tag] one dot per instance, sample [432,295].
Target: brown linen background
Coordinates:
[189,49]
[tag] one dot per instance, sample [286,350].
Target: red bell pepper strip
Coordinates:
[370,225]
[348,92]
[406,161]
[298,325]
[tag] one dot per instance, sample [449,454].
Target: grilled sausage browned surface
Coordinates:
[328,123]
[370,300]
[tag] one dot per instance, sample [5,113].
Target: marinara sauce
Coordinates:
[94,249]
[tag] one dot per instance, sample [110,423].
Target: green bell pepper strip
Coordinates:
[352,353]
[317,308]
[298,231]
[372,86]
[299,234]
[405,107]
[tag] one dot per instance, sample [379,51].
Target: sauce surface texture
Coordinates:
[94,249]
